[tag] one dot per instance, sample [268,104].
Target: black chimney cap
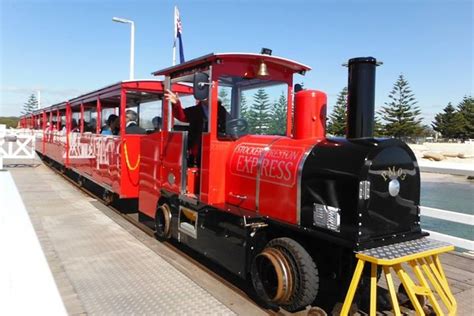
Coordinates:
[370,60]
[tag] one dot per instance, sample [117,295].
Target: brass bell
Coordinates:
[262,70]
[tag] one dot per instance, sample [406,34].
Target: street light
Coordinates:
[132,42]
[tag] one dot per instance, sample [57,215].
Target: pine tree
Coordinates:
[401,115]
[224,98]
[259,114]
[244,109]
[30,105]
[466,110]
[449,123]
[378,127]
[338,117]
[278,122]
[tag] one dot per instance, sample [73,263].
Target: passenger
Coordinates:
[197,117]
[92,126]
[132,127]
[112,125]
[74,126]
[156,121]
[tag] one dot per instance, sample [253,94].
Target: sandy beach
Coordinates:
[450,152]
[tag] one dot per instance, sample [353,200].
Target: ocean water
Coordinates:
[451,193]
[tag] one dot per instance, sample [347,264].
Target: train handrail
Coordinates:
[125,149]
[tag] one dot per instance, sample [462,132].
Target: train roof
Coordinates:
[114,89]
[213,57]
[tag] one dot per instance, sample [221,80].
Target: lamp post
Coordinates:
[132,43]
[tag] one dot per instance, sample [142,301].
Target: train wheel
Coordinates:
[285,274]
[163,222]
[108,197]
[80,181]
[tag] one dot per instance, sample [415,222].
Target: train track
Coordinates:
[132,218]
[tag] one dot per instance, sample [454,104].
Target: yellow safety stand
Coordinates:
[422,256]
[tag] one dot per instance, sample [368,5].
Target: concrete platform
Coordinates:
[101,267]
[102,264]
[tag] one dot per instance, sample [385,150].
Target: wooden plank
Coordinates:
[458,260]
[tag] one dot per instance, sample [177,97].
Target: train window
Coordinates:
[254,106]
[106,112]
[93,122]
[88,121]
[150,115]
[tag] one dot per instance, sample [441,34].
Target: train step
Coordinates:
[421,256]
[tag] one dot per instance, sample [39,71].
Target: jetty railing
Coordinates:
[453,168]
[450,216]
[16,144]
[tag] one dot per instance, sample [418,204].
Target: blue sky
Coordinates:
[66,48]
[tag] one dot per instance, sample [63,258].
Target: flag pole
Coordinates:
[175,31]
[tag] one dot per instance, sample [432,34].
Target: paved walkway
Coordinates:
[27,286]
[100,268]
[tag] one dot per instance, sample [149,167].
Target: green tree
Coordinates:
[9,121]
[378,127]
[338,117]
[224,98]
[278,122]
[401,115]
[259,114]
[427,131]
[244,108]
[450,123]
[30,105]
[466,110]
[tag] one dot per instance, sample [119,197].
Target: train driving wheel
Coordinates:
[284,274]
[163,222]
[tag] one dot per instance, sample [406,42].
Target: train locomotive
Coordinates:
[285,211]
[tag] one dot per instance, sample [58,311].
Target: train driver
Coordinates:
[197,117]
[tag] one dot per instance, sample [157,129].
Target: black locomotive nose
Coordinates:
[361,97]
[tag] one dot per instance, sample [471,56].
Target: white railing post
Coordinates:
[16,144]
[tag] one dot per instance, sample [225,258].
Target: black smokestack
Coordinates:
[361,98]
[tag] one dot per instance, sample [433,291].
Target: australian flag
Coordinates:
[178,30]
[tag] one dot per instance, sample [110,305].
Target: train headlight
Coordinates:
[328,217]
[394,187]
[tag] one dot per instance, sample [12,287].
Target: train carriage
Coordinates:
[72,134]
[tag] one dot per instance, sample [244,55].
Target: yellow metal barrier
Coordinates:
[422,256]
